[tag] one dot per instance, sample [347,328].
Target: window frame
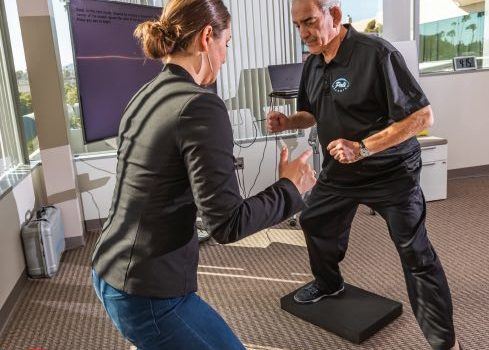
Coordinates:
[11,83]
[416,7]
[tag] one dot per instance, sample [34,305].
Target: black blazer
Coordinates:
[175,157]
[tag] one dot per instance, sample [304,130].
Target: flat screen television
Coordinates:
[109,62]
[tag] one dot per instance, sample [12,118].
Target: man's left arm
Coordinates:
[346,151]
[406,104]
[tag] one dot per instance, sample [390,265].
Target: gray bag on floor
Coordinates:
[44,242]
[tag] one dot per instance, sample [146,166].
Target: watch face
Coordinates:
[364,152]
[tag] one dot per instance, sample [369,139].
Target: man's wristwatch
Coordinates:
[364,152]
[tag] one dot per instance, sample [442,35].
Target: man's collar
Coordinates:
[346,47]
[345,50]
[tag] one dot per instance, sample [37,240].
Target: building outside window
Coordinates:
[449,29]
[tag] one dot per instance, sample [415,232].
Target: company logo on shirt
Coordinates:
[340,85]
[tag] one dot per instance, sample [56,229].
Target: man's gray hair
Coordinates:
[327,4]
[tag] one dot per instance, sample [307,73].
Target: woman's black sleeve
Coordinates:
[206,144]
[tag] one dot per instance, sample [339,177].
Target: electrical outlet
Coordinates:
[239,163]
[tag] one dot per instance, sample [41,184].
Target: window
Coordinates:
[451,29]
[10,150]
[365,16]
[22,93]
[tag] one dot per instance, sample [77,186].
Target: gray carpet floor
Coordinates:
[246,280]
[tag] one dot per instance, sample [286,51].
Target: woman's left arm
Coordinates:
[206,144]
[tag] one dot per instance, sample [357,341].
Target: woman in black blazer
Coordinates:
[175,157]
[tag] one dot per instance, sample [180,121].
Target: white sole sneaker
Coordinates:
[338,292]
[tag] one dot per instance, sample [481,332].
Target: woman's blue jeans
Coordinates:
[186,323]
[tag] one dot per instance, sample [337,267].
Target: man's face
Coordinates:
[316,27]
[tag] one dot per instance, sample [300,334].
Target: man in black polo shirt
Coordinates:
[368,109]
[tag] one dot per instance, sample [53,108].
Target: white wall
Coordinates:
[460,103]
[96,185]
[253,155]
[397,20]
[14,207]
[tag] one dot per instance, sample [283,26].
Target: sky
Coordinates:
[15,36]
[361,9]
[64,40]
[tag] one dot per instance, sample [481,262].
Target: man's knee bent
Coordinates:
[418,259]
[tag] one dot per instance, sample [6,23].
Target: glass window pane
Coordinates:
[10,147]
[451,29]
[27,117]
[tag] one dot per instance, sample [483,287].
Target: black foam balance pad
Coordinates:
[355,315]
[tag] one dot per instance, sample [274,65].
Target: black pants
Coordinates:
[326,223]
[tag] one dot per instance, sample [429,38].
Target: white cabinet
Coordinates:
[434,152]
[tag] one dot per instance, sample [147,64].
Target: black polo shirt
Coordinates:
[362,91]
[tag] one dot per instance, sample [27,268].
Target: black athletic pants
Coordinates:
[326,222]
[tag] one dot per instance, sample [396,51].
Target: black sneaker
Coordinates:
[311,293]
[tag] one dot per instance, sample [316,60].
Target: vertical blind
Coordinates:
[262,35]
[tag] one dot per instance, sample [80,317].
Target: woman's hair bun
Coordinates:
[178,24]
